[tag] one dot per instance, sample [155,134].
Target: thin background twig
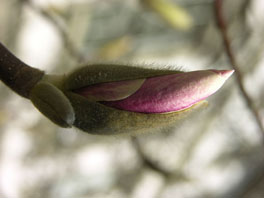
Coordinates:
[239,77]
[147,162]
[68,43]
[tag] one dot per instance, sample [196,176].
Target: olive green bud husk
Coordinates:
[96,118]
[52,102]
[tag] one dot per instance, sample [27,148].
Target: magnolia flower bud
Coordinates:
[113,99]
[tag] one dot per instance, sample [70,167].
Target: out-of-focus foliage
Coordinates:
[172,13]
[216,153]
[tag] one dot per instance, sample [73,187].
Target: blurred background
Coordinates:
[215,153]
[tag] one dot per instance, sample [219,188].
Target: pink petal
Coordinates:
[173,92]
[111,91]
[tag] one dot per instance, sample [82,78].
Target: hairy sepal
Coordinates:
[103,73]
[52,102]
[96,118]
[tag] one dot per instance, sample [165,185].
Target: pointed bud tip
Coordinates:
[224,73]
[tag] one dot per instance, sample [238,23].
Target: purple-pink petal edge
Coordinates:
[173,92]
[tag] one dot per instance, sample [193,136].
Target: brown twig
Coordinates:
[17,75]
[239,77]
[70,47]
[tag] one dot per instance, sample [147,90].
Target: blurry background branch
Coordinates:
[148,162]
[62,30]
[234,64]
